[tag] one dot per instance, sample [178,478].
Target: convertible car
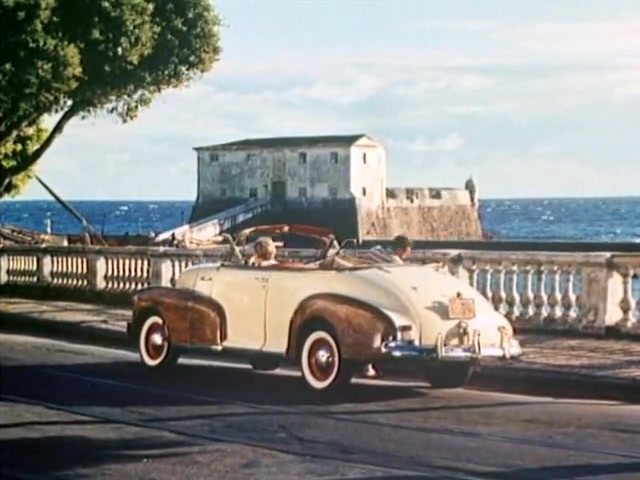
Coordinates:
[330,315]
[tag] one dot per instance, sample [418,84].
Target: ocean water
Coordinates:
[584,219]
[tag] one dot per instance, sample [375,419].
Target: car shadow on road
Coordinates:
[121,384]
[128,383]
[56,454]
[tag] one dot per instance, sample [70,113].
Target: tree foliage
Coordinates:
[76,57]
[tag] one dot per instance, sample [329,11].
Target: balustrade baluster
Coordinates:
[498,295]
[527,297]
[540,296]
[473,274]
[486,290]
[113,273]
[132,270]
[568,299]
[553,299]
[626,302]
[513,298]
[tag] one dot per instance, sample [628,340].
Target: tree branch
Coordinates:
[11,172]
[53,134]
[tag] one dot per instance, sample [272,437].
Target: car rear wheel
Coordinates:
[153,344]
[455,375]
[322,365]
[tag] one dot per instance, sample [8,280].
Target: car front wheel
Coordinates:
[454,375]
[322,365]
[153,343]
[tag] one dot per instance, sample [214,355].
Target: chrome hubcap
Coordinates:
[322,360]
[156,339]
[323,356]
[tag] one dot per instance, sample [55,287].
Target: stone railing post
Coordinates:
[45,265]
[602,290]
[161,271]
[96,271]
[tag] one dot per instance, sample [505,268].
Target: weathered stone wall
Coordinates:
[444,222]
[421,213]
[309,172]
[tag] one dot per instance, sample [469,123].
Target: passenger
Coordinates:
[401,248]
[264,253]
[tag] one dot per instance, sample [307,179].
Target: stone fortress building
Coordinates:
[337,181]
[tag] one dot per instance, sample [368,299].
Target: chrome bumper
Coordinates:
[509,348]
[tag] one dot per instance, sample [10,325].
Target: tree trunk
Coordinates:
[8,173]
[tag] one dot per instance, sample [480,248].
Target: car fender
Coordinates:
[191,317]
[359,326]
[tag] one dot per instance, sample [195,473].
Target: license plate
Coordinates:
[462,308]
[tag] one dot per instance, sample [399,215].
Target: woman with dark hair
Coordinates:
[401,248]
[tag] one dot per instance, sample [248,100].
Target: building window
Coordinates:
[213,157]
[253,193]
[223,192]
[334,157]
[364,158]
[364,191]
[302,192]
[302,158]
[435,194]
[333,192]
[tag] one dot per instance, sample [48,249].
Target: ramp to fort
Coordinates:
[215,224]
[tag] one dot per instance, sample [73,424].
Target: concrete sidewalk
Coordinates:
[599,362]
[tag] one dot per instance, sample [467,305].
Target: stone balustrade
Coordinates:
[587,292]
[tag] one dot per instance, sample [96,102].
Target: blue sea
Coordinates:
[585,219]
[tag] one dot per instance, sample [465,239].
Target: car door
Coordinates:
[242,292]
[204,328]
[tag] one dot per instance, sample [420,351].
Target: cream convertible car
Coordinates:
[330,315]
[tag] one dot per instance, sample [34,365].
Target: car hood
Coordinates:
[427,291]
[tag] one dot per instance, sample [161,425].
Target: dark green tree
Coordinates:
[70,58]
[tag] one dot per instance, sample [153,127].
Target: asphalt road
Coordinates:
[76,411]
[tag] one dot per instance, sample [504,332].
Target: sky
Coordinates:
[534,99]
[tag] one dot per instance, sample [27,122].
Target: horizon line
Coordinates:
[17,200]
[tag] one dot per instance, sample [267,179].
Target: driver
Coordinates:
[264,253]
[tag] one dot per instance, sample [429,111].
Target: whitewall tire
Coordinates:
[322,366]
[153,343]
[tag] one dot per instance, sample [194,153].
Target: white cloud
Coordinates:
[457,25]
[452,142]
[551,39]
[606,37]
[358,88]
[433,83]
